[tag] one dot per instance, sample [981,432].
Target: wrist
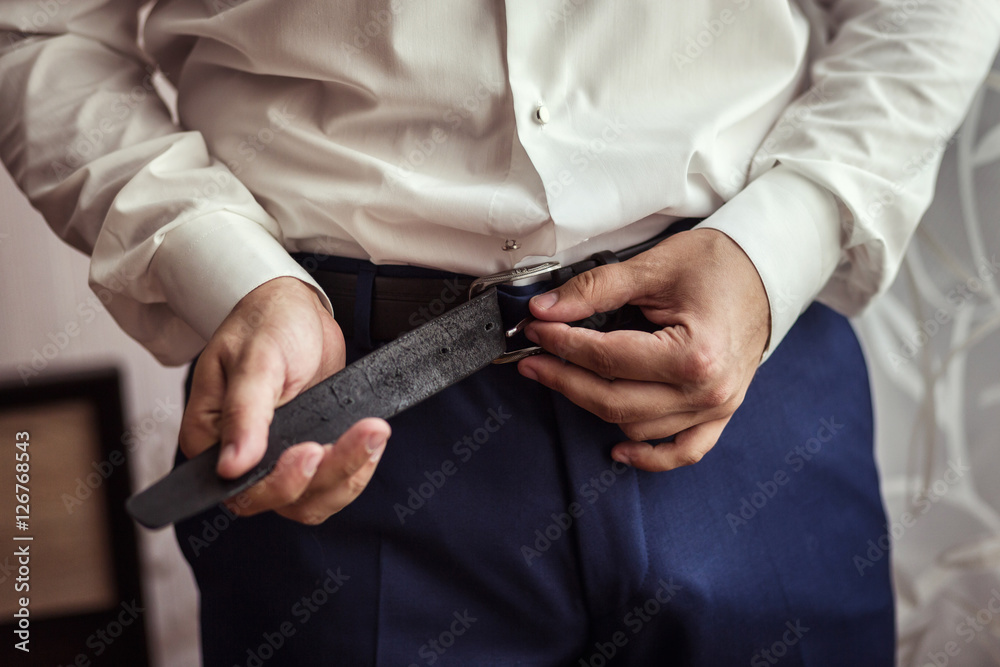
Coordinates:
[748,286]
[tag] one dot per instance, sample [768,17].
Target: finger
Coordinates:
[286,483]
[200,422]
[343,474]
[596,291]
[636,355]
[618,401]
[255,383]
[664,427]
[687,448]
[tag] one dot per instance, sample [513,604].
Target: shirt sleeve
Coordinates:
[840,183]
[175,239]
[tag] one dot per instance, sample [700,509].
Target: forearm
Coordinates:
[93,147]
[887,90]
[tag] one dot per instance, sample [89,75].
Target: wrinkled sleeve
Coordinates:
[841,181]
[175,239]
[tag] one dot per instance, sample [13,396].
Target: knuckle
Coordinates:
[227,342]
[729,394]
[259,355]
[715,396]
[613,410]
[601,362]
[586,282]
[700,367]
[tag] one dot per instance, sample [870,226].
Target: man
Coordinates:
[511,522]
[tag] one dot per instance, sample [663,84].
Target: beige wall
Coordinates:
[43,289]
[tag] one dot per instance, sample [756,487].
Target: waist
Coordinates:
[379,302]
[470,251]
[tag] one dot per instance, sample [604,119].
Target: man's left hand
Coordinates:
[686,379]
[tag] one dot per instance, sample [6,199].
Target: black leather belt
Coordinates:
[416,365]
[398,304]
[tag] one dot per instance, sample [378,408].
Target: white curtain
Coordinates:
[933,348]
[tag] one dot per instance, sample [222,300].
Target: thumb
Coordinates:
[599,290]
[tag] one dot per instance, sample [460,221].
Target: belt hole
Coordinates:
[346,400]
[489,326]
[445,350]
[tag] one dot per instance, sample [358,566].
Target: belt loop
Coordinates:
[605,257]
[363,306]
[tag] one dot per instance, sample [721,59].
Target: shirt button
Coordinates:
[542,115]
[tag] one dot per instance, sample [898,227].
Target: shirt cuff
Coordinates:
[789,227]
[207,265]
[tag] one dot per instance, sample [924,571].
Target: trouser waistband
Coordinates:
[378,302]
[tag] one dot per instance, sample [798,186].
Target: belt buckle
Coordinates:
[507,278]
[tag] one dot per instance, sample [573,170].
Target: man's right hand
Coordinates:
[277,342]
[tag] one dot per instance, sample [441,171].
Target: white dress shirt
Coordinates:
[443,133]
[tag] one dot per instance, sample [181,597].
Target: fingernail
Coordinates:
[531,334]
[621,457]
[228,454]
[545,301]
[527,371]
[310,463]
[375,447]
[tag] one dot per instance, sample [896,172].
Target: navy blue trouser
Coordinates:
[498,531]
